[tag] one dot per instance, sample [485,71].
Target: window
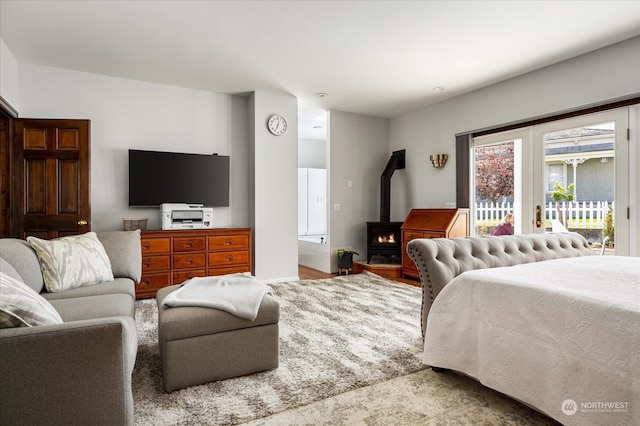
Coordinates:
[555,173]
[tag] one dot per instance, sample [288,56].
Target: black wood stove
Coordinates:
[384,238]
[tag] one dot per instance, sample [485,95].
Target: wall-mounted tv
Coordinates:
[169,177]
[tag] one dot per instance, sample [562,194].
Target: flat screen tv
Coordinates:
[168,177]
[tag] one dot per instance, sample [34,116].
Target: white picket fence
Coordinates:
[580,215]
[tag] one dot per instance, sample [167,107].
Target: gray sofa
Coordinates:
[78,372]
[440,260]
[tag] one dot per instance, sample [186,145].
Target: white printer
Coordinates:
[186,216]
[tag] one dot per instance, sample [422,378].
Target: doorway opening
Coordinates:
[313,232]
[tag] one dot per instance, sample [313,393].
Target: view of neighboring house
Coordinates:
[584,157]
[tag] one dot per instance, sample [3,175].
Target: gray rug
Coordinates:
[336,335]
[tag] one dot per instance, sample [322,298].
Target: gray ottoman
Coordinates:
[201,345]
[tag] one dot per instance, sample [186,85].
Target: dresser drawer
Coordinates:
[226,242]
[151,283]
[180,277]
[228,270]
[155,245]
[156,263]
[189,261]
[407,263]
[411,235]
[189,244]
[228,258]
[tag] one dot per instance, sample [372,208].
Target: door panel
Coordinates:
[69,191]
[588,151]
[516,146]
[50,178]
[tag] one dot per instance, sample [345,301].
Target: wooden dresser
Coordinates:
[431,223]
[171,257]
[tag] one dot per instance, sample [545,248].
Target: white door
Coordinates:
[303,209]
[591,154]
[317,202]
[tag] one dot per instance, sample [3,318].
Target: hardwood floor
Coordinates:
[306,273]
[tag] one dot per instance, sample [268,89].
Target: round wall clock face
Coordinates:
[277,124]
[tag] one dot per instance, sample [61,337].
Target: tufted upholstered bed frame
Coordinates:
[440,260]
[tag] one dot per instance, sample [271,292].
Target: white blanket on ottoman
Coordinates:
[238,294]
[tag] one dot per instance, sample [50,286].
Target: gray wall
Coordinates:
[598,76]
[605,74]
[274,187]
[358,152]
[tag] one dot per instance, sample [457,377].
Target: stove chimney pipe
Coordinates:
[397,161]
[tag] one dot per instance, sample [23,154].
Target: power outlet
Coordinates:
[450,205]
[337,207]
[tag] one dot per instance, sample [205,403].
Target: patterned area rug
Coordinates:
[336,335]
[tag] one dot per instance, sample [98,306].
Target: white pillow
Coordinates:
[72,261]
[21,306]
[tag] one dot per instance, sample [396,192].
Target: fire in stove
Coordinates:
[384,240]
[387,239]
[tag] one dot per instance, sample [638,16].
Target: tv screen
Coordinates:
[167,177]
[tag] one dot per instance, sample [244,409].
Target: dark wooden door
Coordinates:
[50,174]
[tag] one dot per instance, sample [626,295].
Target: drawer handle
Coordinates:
[189,261]
[228,242]
[228,258]
[145,281]
[146,264]
[188,244]
[146,245]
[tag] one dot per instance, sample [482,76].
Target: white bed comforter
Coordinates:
[561,335]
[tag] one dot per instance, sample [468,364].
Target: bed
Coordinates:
[537,317]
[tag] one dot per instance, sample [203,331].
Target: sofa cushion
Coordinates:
[91,307]
[9,270]
[123,249]
[19,254]
[72,261]
[117,286]
[21,306]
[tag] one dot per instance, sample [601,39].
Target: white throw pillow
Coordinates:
[71,262]
[21,306]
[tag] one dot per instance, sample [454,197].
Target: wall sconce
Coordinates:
[438,160]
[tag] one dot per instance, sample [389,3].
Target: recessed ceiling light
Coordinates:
[439,89]
[320,95]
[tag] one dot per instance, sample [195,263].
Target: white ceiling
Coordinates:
[380,58]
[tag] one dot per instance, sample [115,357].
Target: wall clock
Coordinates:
[277,124]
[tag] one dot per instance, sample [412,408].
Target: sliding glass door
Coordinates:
[563,175]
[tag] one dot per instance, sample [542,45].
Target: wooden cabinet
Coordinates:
[171,257]
[431,223]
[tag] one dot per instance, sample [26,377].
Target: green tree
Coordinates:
[608,230]
[560,194]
